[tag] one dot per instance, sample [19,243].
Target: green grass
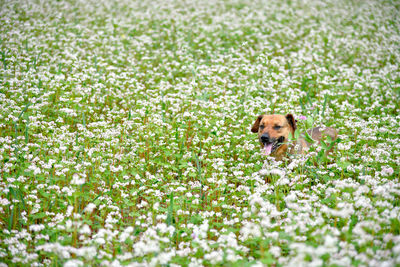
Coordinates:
[125,133]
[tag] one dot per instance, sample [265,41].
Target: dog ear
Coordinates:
[292,121]
[256,124]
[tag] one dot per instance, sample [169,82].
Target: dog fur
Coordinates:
[273,135]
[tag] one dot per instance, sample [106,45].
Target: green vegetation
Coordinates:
[125,133]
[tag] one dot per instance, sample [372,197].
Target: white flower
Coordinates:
[283,181]
[73,263]
[76,180]
[214,257]
[85,230]
[275,251]
[249,230]
[36,227]
[89,208]
[86,252]
[387,171]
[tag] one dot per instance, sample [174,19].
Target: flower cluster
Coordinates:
[125,133]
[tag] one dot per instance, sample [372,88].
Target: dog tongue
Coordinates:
[267,149]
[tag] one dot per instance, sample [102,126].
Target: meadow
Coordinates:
[125,133]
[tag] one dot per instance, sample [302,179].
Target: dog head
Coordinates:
[273,130]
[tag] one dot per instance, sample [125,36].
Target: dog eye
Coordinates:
[262,127]
[277,127]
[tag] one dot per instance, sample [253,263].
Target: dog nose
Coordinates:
[265,138]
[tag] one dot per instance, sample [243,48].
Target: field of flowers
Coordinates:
[125,133]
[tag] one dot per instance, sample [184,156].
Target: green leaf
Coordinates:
[309,122]
[39,215]
[303,107]
[170,216]
[23,111]
[11,219]
[296,135]
[308,138]
[290,137]
[344,164]
[333,143]
[324,145]
[83,119]
[324,106]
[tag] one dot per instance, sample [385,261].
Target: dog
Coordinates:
[274,130]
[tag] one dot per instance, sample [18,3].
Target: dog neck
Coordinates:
[280,152]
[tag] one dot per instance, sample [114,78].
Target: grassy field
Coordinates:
[125,133]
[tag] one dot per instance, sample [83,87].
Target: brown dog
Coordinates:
[273,134]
